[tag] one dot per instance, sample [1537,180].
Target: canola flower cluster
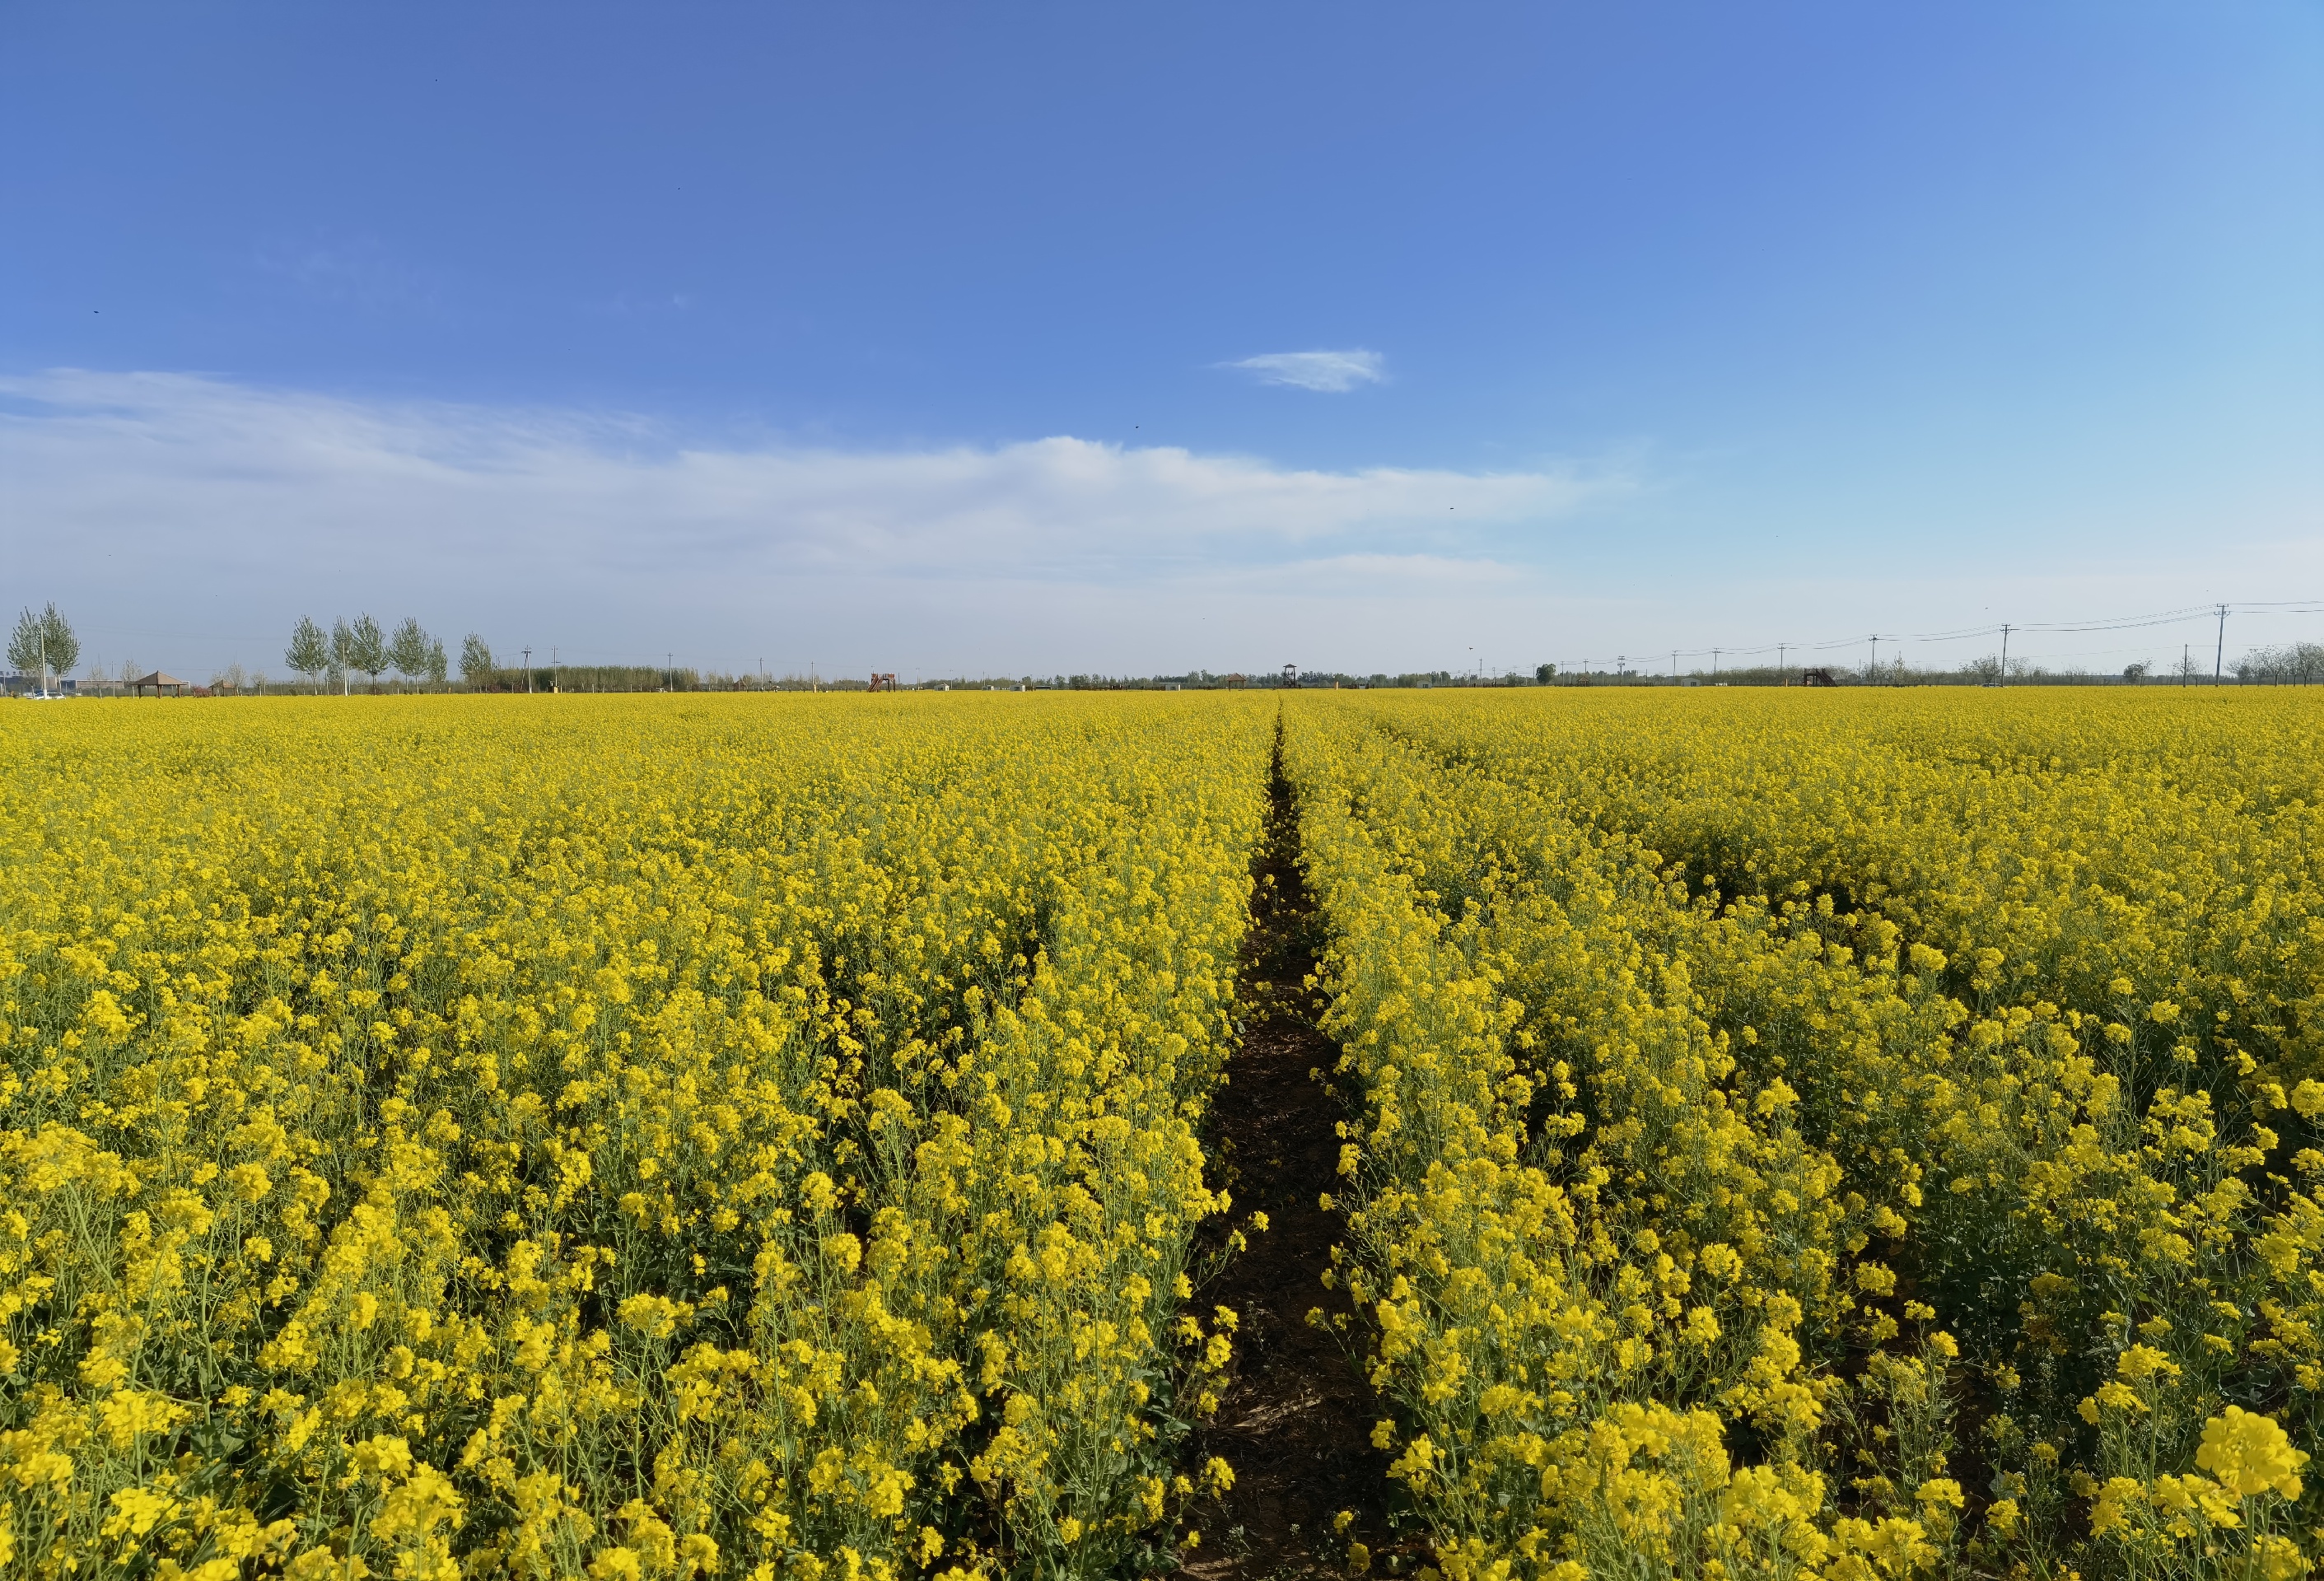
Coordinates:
[620,1137]
[1841,1137]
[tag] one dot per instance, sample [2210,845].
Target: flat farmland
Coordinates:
[1776,1134]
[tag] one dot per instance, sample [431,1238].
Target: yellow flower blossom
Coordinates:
[2250,1453]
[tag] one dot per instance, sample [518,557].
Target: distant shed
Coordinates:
[158,680]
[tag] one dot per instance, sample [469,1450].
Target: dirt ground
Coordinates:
[1295,1422]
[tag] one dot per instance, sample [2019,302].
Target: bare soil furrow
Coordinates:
[1295,1421]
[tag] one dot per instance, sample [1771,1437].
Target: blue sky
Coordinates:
[1046,337]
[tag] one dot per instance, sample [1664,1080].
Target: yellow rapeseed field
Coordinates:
[1844,1135]
[634,1137]
[1850,1136]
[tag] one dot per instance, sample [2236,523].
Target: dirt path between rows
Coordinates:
[1295,1422]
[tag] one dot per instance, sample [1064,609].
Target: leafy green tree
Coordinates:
[1545,674]
[64,648]
[309,652]
[408,652]
[26,650]
[361,646]
[437,665]
[43,642]
[475,659]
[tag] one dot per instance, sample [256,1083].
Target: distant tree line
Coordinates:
[43,644]
[587,678]
[360,646]
[2297,663]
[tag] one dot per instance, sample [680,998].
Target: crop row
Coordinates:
[1870,1142]
[750,1138]
[455,1139]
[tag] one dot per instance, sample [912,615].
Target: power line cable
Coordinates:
[2146,620]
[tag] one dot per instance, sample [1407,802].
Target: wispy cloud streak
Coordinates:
[1333,373]
[290,478]
[190,503]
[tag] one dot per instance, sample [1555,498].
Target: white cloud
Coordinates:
[1332,372]
[181,504]
[187,521]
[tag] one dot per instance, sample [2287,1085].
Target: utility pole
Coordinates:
[2186,663]
[2004,653]
[556,673]
[2218,658]
[528,672]
[1714,663]
[1673,663]
[1874,674]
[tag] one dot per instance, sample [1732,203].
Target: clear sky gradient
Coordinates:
[1046,338]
